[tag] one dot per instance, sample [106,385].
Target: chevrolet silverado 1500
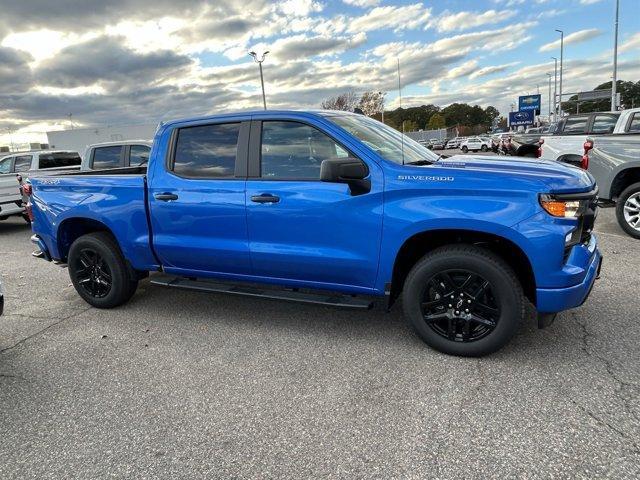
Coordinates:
[294,204]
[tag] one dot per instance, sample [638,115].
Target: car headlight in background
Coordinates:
[563,208]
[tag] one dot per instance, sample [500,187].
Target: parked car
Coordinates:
[474,144]
[566,143]
[20,165]
[614,162]
[104,156]
[454,142]
[439,145]
[330,201]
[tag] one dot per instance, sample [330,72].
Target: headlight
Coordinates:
[563,208]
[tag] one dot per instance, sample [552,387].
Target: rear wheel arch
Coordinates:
[418,245]
[73,228]
[622,180]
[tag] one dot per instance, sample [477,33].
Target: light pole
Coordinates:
[555,87]
[259,62]
[549,77]
[561,65]
[614,85]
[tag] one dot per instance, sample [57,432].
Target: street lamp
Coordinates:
[561,64]
[549,76]
[259,62]
[555,87]
[614,85]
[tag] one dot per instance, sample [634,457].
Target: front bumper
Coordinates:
[588,258]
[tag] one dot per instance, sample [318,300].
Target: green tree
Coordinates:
[435,122]
[629,96]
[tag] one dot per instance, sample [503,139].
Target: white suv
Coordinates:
[474,144]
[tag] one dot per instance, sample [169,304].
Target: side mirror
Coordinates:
[351,171]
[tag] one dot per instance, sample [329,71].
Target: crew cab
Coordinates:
[566,143]
[106,155]
[23,164]
[332,208]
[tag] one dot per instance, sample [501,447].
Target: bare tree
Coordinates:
[345,101]
[371,102]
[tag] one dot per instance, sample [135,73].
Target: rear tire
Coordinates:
[484,148]
[628,210]
[99,272]
[463,300]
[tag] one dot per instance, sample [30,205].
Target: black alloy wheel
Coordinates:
[92,273]
[459,305]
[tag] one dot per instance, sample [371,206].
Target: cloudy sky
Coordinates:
[135,61]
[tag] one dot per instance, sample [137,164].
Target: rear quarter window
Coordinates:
[58,160]
[634,123]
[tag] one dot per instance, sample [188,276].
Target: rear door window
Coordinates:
[604,123]
[138,155]
[5,165]
[576,125]
[59,160]
[22,163]
[207,151]
[107,157]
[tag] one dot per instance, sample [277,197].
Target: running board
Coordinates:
[334,300]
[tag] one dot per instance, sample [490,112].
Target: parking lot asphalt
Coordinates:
[178,384]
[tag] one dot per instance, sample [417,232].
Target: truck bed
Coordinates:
[63,204]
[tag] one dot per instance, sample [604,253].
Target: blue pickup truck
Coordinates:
[332,208]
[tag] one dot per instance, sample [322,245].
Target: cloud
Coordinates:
[105,60]
[448,21]
[589,2]
[631,44]
[484,71]
[573,38]
[301,46]
[15,74]
[362,3]
[407,17]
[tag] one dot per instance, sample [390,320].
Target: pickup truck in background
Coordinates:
[16,167]
[567,143]
[331,208]
[614,162]
[129,153]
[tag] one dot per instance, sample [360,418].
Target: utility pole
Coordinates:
[259,62]
[561,66]
[555,88]
[382,104]
[399,87]
[70,115]
[614,83]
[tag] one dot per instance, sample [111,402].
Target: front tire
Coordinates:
[628,210]
[99,272]
[465,149]
[463,300]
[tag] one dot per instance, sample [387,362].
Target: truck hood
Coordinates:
[558,177]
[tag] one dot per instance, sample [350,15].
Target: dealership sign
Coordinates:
[529,102]
[521,118]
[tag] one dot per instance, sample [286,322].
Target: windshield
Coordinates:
[387,142]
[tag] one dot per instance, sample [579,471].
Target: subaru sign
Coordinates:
[521,118]
[529,102]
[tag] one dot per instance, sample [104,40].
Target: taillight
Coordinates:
[584,164]
[26,189]
[588,145]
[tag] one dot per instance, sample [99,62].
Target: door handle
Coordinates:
[166,197]
[265,198]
